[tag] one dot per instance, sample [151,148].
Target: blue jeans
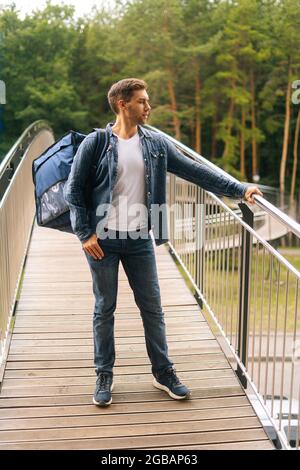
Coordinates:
[138,260]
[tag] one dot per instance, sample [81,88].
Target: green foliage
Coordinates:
[60,68]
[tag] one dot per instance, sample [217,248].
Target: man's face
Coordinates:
[138,108]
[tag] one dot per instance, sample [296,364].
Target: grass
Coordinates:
[272,300]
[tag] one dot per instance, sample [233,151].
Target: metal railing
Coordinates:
[248,289]
[17,210]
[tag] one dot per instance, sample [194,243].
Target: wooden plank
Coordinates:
[60,288]
[248,445]
[126,430]
[122,419]
[144,442]
[120,362]
[129,313]
[37,363]
[73,336]
[33,391]
[42,329]
[121,343]
[69,302]
[193,310]
[177,320]
[174,323]
[119,408]
[126,354]
[37,277]
[124,397]
[126,378]
[88,372]
[38,345]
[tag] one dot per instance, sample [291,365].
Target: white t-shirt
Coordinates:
[129,210]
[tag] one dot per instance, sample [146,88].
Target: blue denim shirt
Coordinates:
[160,156]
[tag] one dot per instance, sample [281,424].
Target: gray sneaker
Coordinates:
[104,387]
[170,383]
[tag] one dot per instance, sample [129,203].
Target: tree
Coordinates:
[39,84]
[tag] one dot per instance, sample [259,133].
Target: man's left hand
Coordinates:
[250,191]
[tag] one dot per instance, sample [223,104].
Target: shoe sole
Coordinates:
[104,403]
[172,395]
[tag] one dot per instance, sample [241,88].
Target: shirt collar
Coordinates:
[142,132]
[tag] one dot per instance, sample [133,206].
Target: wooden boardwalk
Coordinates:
[46,396]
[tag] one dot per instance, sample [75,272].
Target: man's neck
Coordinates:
[124,130]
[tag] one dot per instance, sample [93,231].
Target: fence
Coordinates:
[17,210]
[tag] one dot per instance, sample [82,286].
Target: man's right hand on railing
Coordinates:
[92,247]
[248,196]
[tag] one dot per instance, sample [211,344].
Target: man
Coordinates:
[131,175]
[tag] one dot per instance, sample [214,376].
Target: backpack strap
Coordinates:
[101,145]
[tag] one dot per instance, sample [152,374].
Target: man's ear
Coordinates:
[122,104]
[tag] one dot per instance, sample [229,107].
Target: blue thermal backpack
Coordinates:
[50,171]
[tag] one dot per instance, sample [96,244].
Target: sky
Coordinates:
[26,6]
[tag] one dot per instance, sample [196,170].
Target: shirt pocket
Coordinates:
[158,160]
[157,154]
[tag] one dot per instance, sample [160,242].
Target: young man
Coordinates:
[129,190]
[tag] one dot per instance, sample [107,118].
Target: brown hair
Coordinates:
[123,90]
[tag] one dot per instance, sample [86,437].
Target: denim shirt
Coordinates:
[89,216]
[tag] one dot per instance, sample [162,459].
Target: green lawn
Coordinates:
[220,285]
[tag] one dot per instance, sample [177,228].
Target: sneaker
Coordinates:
[170,383]
[104,387]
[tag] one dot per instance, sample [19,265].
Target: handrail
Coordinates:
[14,156]
[278,214]
[17,210]
[261,201]
[35,126]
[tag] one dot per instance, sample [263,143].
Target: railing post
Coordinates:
[245,275]
[199,242]
[172,188]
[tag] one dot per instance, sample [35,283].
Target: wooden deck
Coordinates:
[46,396]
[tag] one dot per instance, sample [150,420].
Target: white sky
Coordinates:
[26,6]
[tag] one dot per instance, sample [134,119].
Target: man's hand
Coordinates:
[91,246]
[248,196]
